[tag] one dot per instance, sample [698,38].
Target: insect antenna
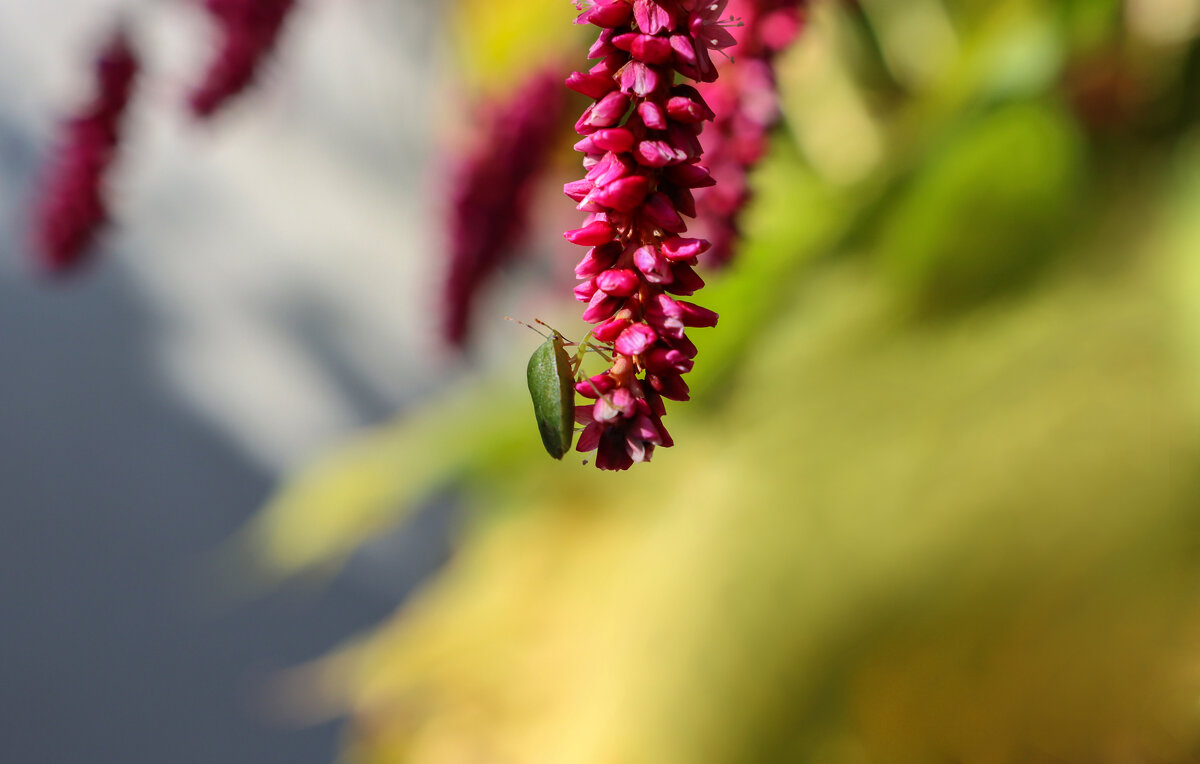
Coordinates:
[531,326]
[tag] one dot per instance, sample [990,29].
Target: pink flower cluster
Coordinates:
[747,106]
[642,152]
[493,188]
[248,30]
[72,208]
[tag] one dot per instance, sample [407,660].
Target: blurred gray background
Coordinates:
[260,300]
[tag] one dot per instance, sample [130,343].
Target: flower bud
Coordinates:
[636,340]
[592,234]
[620,282]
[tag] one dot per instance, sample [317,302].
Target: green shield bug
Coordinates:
[552,387]
[551,377]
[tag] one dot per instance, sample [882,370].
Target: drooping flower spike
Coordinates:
[747,106]
[248,31]
[492,190]
[71,208]
[642,154]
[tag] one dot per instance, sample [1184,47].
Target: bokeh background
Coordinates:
[934,499]
[254,302]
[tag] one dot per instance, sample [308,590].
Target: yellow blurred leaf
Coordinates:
[497,43]
[373,482]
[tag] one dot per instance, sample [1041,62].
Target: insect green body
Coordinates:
[552,386]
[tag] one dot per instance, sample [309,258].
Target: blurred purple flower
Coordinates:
[71,208]
[249,31]
[492,189]
[747,106]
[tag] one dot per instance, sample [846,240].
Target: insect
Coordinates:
[551,377]
[552,386]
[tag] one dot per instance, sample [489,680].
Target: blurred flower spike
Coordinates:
[71,207]
[248,31]
[642,154]
[746,103]
[493,186]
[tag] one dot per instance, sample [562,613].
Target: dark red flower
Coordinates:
[248,31]
[492,189]
[72,208]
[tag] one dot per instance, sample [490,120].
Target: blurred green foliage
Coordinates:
[937,496]
[987,208]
